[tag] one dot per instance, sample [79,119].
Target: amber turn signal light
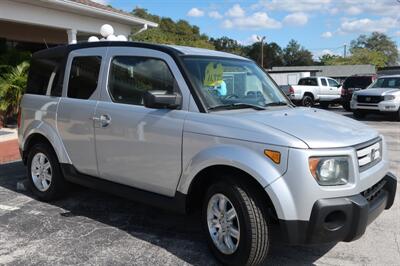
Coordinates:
[275,156]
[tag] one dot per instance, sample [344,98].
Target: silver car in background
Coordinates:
[196,130]
[382,96]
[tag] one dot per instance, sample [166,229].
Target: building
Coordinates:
[291,75]
[42,23]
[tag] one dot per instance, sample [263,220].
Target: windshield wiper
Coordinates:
[236,106]
[276,104]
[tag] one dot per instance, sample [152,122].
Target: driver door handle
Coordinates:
[104,120]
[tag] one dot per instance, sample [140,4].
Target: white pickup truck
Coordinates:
[315,89]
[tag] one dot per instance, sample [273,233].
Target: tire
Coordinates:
[251,222]
[359,114]
[324,105]
[307,101]
[56,184]
[346,106]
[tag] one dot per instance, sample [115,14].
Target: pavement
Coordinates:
[93,228]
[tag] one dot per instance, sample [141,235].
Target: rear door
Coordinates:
[324,89]
[77,106]
[139,146]
[334,89]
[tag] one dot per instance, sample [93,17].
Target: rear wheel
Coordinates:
[346,106]
[44,174]
[307,101]
[236,224]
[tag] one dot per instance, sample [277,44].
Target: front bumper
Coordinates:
[383,106]
[343,218]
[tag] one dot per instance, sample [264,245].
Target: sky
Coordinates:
[322,26]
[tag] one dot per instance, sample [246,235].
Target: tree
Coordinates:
[327,58]
[360,56]
[378,42]
[228,45]
[296,55]
[171,32]
[12,87]
[272,54]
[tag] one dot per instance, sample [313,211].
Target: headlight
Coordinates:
[354,97]
[389,97]
[330,171]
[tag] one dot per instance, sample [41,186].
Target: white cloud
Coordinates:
[296,19]
[258,20]
[195,12]
[319,53]
[368,25]
[294,5]
[214,14]
[397,34]
[235,11]
[353,10]
[327,35]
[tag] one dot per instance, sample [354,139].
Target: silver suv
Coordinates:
[198,130]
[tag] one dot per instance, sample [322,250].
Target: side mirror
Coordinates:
[162,99]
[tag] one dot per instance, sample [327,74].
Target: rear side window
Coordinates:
[323,82]
[83,77]
[40,73]
[357,82]
[130,77]
[308,82]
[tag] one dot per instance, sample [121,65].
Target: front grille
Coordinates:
[369,155]
[369,99]
[373,192]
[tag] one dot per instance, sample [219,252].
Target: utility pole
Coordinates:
[344,50]
[261,40]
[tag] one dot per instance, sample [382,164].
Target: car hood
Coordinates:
[317,128]
[376,91]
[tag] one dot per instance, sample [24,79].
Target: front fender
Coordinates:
[248,157]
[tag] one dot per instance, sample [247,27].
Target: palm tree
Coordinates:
[12,87]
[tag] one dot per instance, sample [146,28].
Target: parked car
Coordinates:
[354,83]
[189,130]
[383,96]
[315,89]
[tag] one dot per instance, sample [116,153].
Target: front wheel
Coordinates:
[236,225]
[359,114]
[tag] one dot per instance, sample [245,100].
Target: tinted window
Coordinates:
[308,82]
[387,83]
[357,82]
[84,76]
[333,83]
[323,82]
[131,76]
[40,72]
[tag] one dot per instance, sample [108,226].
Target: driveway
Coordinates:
[91,228]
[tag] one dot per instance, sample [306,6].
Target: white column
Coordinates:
[72,36]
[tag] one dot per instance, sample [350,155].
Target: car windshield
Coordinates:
[225,83]
[388,82]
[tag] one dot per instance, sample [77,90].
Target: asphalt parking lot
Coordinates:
[91,228]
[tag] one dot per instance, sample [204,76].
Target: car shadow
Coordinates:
[155,226]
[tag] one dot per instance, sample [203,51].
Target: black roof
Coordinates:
[64,50]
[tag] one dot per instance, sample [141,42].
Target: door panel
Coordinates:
[139,146]
[77,107]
